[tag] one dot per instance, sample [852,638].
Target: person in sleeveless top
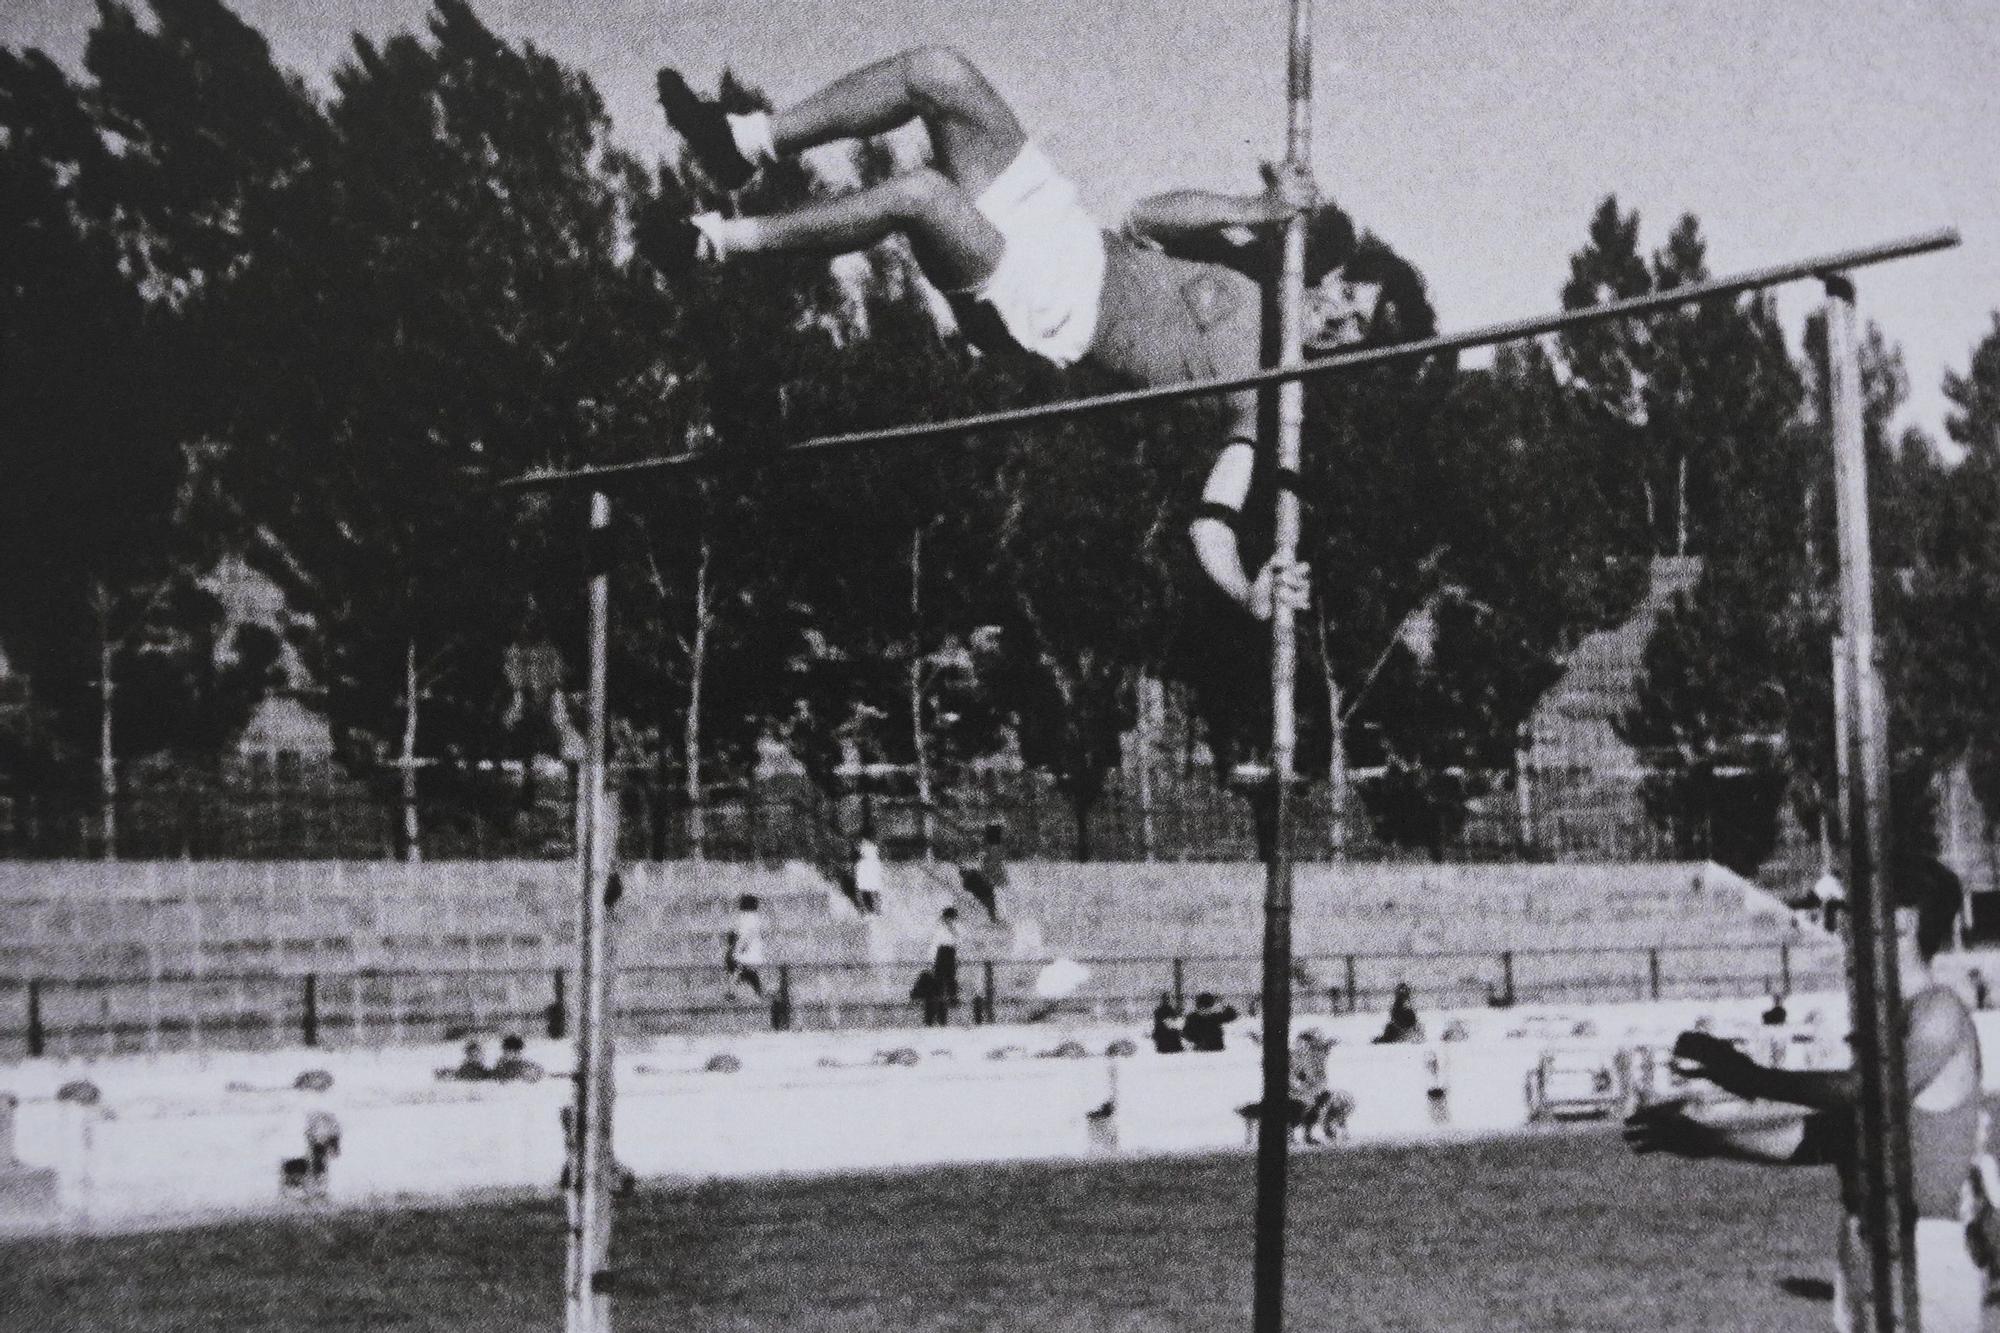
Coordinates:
[1815,1124]
[1174,295]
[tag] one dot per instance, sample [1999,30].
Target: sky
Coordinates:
[1476,136]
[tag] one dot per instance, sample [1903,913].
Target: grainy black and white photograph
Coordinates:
[999,666]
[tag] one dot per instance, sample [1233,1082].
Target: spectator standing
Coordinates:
[985,879]
[743,954]
[1167,1026]
[867,873]
[944,957]
[927,993]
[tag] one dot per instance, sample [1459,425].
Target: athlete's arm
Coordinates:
[1719,1062]
[1180,214]
[1213,530]
[1736,1133]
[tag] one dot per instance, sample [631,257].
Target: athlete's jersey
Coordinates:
[1167,320]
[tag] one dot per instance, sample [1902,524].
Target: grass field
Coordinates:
[1548,1232]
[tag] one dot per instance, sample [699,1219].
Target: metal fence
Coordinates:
[45,1017]
[1554,813]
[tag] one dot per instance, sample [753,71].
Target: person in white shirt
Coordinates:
[743,954]
[867,874]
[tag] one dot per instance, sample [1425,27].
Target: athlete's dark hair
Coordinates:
[1330,242]
[1404,312]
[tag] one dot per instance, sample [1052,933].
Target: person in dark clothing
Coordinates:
[944,956]
[1202,1030]
[930,995]
[985,879]
[1403,1024]
[1167,1027]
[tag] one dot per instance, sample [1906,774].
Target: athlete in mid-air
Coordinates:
[1173,296]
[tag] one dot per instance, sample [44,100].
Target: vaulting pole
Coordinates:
[1886,1300]
[587,1304]
[1273,1130]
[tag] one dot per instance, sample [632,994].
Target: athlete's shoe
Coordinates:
[705,128]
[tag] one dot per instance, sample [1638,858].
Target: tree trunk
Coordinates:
[1336,756]
[1080,807]
[412,840]
[1152,711]
[107,760]
[697,817]
[919,750]
[1681,507]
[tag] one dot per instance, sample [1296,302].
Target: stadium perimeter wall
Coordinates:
[184,1139]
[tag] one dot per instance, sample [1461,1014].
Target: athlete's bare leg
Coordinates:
[974,136]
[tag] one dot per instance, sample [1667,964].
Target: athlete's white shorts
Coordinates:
[1051,273]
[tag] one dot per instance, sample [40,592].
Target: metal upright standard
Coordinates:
[1886,1301]
[1273,1126]
[587,1286]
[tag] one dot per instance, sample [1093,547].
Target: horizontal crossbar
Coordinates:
[695,461]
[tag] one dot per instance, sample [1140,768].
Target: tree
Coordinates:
[101,609]
[441,308]
[1735,704]
[1089,571]
[1948,600]
[1450,573]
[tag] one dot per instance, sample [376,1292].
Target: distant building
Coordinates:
[287,739]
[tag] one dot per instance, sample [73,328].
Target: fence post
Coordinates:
[1784,969]
[988,968]
[35,1033]
[309,1020]
[1507,977]
[1653,971]
[558,1010]
[1180,983]
[781,1004]
[1353,999]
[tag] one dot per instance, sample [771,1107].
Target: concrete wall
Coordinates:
[182,1139]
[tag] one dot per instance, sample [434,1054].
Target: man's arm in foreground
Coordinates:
[1719,1062]
[1738,1132]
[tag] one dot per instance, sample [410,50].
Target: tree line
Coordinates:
[315,330]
